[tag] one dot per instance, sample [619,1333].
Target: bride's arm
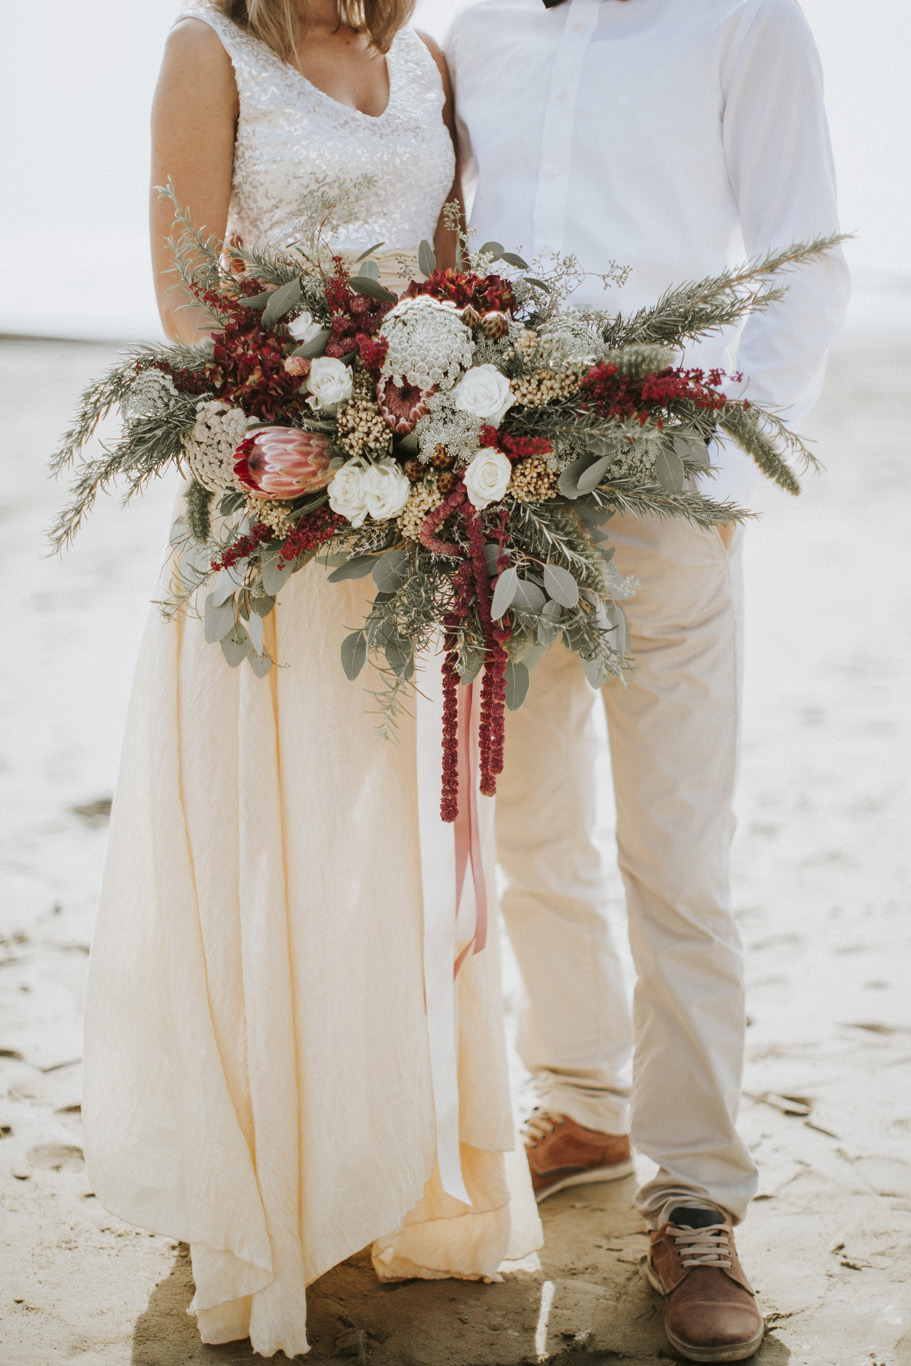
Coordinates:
[444,241]
[194,119]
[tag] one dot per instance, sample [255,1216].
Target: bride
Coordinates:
[259,1068]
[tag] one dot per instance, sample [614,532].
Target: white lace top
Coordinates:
[293,140]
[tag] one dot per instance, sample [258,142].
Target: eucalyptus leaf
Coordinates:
[399,656]
[535,653]
[618,620]
[595,670]
[362,284]
[369,252]
[408,444]
[225,586]
[260,664]
[491,555]
[551,611]
[358,567]
[560,585]
[256,630]
[473,663]
[261,604]
[568,482]
[528,596]
[275,572]
[218,618]
[546,633]
[494,249]
[539,284]
[236,646]
[516,685]
[281,301]
[371,268]
[257,300]
[512,259]
[427,260]
[592,477]
[315,346]
[505,591]
[230,502]
[669,471]
[693,450]
[391,570]
[354,654]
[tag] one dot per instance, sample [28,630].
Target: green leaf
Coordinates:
[315,346]
[358,567]
[230,502]
[495,249]
[693,450]
[512,259]
[391,570]
[592,477]
[506,589]
[539,284]
[617,618]
[218,618]
[516,685]
[528,596]
[257,300]
[474,662]
[260,664]
[369,252]
[560,585]
[262,606]
[669,471]
[281,301]
[236,646]
[595,670]
[491,555]
[255,630]
[407,445]
[362,284]
[226,585]
[371,268]
[399,657]
[354,654]
[427,260]
[275,572]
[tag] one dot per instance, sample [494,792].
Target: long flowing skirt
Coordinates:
[258,1078]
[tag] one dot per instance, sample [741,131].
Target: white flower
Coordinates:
[385,490]
[484,392]
[346,491]
[487,478]
[304,329]
[330,383]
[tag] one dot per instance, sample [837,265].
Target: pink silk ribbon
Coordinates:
[455,904]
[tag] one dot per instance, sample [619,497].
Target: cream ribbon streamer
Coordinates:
[455,901]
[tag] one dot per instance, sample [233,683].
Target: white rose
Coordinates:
[385,490]
[346,491]
[329,382]
[487,478]
[304,329]
[484,392]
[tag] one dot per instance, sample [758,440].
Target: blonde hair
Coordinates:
[277,22]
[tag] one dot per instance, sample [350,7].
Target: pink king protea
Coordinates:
[282,462]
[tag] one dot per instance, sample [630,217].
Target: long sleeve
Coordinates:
[779,160]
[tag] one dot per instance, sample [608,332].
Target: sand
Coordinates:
[821,886]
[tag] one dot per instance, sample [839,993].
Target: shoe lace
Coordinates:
[710,1246]
[539,1124]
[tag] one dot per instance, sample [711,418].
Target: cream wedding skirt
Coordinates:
[257,1065]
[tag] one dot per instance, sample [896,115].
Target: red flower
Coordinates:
[483,293]
[403,406]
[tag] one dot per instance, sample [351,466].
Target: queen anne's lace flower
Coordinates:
[149,395]
[428,344]
[459,433]
[210,446]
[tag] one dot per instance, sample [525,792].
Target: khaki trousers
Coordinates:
[674,736]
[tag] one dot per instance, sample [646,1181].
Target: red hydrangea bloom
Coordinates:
[485,293]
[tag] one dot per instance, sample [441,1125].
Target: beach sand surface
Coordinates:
[821,882]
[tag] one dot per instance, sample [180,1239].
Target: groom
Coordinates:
[674,138]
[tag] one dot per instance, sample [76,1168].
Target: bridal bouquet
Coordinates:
[463,441]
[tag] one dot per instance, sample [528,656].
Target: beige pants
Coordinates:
[674,737]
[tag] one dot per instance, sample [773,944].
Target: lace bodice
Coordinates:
[293,139]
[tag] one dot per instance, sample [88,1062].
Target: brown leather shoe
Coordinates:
[711,1310]
[561,1153]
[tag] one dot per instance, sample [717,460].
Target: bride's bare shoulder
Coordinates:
[193,42]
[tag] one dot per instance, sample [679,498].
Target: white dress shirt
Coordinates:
[672,136]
